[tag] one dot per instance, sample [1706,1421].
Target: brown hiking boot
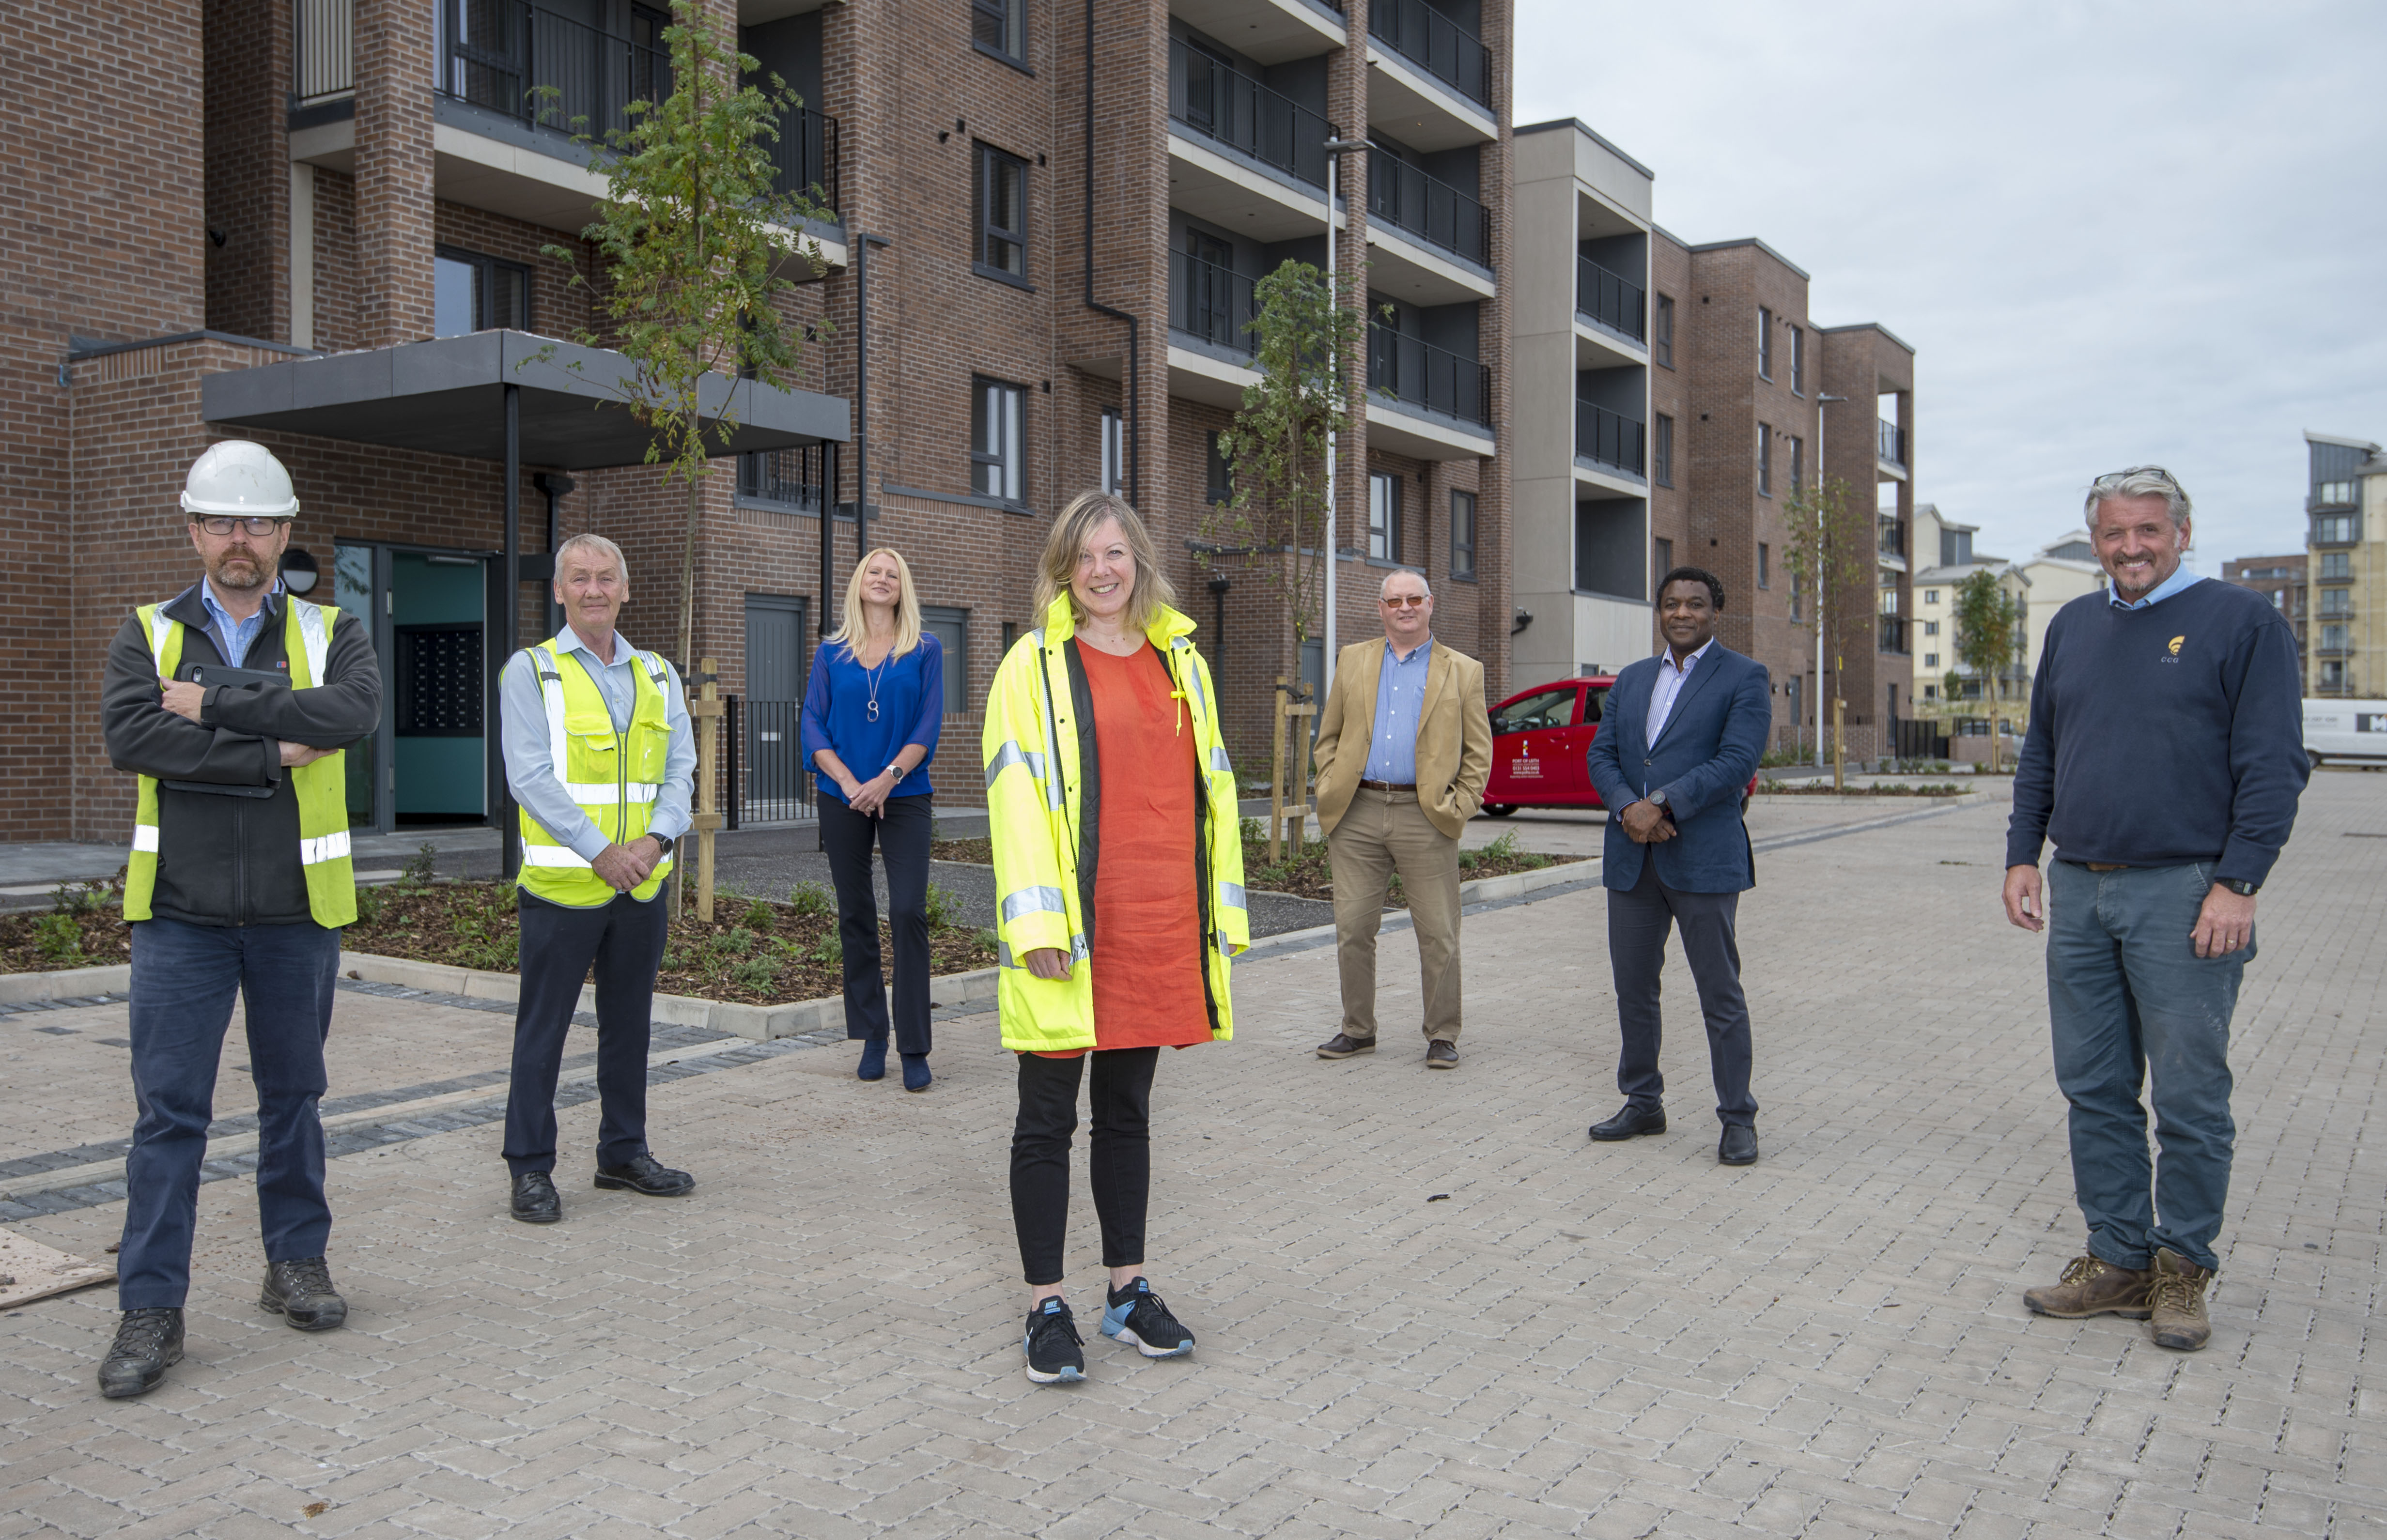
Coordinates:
[2177,1301]
[2093,1286]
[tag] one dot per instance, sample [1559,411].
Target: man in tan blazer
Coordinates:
[1404,751]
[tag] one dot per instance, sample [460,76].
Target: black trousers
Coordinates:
[624,940]
[1638,923]
[903,838]
[1119,1165]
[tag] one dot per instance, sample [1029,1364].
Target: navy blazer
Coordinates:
[1702,761]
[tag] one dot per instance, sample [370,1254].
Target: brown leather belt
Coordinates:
[1385,786]
[2105,866]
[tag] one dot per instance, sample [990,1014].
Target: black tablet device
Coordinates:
[219,674]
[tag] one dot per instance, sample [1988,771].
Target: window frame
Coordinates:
[1764,565]
[1764,343]
[956,652]
[990,161]
[484,266]
[1661,332]
[1661,447]
[1797,462]
[1114,449]
[1390,530]
[2334,602]
[1008,462]
[1798,360]
[1009,21]
[1661,560]
[1764,460]
[1462,552]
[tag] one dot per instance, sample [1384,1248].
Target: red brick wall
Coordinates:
[248,168]
[394,220]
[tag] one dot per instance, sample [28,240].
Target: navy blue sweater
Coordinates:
[2164,736]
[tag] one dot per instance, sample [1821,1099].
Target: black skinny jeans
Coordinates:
[903,839]
[1119,1165]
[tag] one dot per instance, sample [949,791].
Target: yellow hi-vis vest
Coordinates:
[322,786]
[612,777]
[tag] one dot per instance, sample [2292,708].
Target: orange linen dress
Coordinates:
[1147,939]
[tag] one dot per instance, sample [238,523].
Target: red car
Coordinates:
[1539,738]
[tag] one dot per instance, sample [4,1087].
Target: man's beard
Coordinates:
[257,573]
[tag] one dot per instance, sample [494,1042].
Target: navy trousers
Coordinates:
[183,979]
[1638,923]
[902,834]
[623,941]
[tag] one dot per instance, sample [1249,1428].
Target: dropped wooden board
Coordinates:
[36,1271]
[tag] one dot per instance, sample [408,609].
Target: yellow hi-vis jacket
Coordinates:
[613,776]
[1038,787]
[321,787]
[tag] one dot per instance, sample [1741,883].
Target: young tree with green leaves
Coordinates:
[1989,634]
[1828,548]
[693,234]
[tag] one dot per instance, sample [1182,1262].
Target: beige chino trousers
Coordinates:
[1381,833]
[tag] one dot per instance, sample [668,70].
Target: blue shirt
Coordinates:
[234,637]
[2181,578]
[1400,701]
[530,756]
[1671,680]
[910,692]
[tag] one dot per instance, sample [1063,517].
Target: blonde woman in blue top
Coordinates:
[872,710]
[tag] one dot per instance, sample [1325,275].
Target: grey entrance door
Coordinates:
[775,785]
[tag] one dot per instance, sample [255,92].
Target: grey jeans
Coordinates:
[2127,998]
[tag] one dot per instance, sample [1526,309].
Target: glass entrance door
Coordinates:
[428,614]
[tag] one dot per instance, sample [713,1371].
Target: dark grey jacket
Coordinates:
[232,860]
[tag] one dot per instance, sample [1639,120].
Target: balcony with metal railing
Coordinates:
[1211,305]
[1219,103]
[323,56]
[1610,439]
[782,478]
[1891,444]
[1416,373]
[1610,299]
[1404,198]
[1435,44]
[1890,537]
[1893,635]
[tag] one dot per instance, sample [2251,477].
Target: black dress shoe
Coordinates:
[1629,1121]
[147,1343]
[301,1293]
[1739,1146]
[1342,1047]
[536,1201]
[645,1174]
[1441,1054]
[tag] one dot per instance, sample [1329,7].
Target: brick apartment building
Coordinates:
[2345,567]
[248,217]
[2280,581]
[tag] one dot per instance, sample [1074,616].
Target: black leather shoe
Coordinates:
[301,1293]
[535,1200]
[1440,1054]
[1629,1121]
[1739,1146]
[647,1175]
[1340,1047]
[147,1343]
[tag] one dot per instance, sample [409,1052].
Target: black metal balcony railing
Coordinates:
[1219,102]
[554,72]
[1424,36]
[1610,299]
[1893,635]
[1434,211]
[1892,443]
[790,478]
[1413,369]
[1609,438]
[1892,537]
[1210,302]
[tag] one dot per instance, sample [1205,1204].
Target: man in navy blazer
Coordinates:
[1678,739]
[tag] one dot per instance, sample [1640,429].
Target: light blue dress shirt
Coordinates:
[1671,680]
[1400,703]
[234,637]
[2181,578]
[530,760]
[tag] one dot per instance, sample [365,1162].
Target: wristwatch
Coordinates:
[895,769]
[1658,801]
[665,845]
[2239,886]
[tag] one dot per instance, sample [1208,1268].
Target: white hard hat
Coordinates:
[242,479]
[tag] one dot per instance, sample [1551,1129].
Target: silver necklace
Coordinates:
[872,675]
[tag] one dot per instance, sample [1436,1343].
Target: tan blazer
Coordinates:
[1454,745]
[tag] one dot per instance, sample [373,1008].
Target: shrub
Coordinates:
[58,937]
[371,905]
[422,868]
[945,909]
[77,898]
[831,951]
[809,899]
[1254,831]
[755,973]
[759,917]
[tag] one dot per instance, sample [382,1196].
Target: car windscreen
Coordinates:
[1549,707]
[1595,696]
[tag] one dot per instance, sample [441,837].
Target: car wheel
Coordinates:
[1744,805]
[2315,758]
[1499,810]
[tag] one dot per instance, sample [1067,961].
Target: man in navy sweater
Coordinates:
[2164,757]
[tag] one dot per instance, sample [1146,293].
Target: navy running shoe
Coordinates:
[1138,1319]
[1055,1352]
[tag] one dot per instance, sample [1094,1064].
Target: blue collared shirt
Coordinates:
[2181,578]
[1400,703]
[234,637]
[530,759]
[1671,680]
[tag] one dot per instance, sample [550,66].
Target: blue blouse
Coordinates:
[911,694]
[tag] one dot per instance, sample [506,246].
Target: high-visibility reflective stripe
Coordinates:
[314,637]
[1232,894]
[145,838]
[329,847]
[1052,751]
[609,793]
[1193,677]
[1010,754]
[1002,954]
[552,855]
[1219,760]
[550,691]
[1005,957]
[161,628]
[1030,901]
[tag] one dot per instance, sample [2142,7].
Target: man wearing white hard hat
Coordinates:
[232,701]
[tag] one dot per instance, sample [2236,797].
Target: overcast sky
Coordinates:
[2113,233]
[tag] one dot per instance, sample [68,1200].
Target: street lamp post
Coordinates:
[1821,439]
[1335,150]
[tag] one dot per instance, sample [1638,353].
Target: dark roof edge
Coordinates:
[80,349]
[1751,240]
[1591,133]
[1872,326]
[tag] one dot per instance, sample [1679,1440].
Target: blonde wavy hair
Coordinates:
[1070,534]
[856,627]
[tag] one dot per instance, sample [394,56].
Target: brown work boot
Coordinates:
[2177,1301]
[2093,1286]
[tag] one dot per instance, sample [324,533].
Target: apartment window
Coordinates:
[999,440]
[1931,692]
[1764,343]
[2333,492]
[1000,27]
[1010,636]
[2333,564]
[1764,565]
[2278,599]
[1001,216]
[2337,601]
[1662,449]
[1114,450]
[2334,529]
[1662,343]
[2332,675]
[1220,476]
[1930,660]
[1462,534]
[1661,561]
[951,627]
[1797,463]
[1384,516]
[1798,360]
[2332,638]
[473,292]
[1930,628]
[1764,460]
[1931,596]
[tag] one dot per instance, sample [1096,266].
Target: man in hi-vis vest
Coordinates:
[239,882]
[600,756]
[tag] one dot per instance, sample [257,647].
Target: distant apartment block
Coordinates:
[2345,567]
[2282,582]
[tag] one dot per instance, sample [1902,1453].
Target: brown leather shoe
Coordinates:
[1340,1047]
[2177,1301]
[2093,1286]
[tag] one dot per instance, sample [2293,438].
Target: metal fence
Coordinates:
[1424,36]
[790,478]
[1210,302]
[1213,99]
[323,57]
[1413,369]
[805,156]
[1609,298]
[526,61]
[1610,439]
[764,765]
[1918,738]
[1403,195]
[1893,443]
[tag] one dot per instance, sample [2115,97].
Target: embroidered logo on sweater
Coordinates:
[2176,642]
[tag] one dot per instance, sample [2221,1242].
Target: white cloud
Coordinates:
[2113,233]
